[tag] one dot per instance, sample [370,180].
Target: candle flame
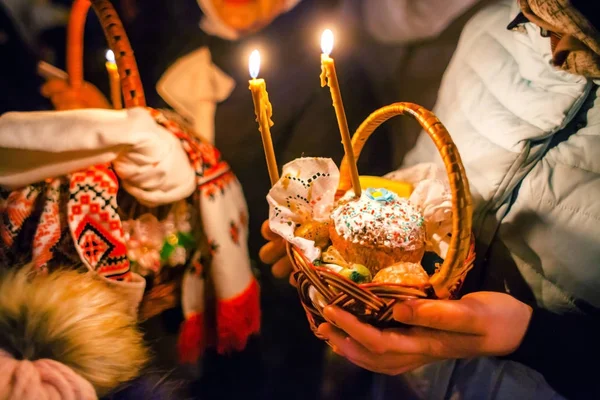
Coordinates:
[327,42]
[254,64]
[110,56]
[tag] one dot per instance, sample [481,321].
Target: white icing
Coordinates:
[379,218]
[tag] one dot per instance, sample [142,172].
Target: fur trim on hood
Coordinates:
[72,318]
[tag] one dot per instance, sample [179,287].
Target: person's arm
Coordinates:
[571,340]
[149,160]
[406,21]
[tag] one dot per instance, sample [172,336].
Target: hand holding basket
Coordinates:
[373,302]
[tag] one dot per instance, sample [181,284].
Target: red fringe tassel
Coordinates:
[237,319]
[192,339]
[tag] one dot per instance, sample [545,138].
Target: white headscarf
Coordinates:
[193,86]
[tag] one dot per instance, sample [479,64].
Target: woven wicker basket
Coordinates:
[373,303]
[163,290]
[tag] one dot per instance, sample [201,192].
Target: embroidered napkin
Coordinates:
[306,192]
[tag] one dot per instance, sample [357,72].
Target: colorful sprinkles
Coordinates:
[380,218]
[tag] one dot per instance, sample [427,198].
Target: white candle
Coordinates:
[329,77]
[114,80]
[264,112]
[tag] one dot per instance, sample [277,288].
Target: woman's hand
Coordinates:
[479,324]
[274,253]
[64,97]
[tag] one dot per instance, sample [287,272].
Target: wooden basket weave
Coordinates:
[131,84]
[373,302]
[163,291]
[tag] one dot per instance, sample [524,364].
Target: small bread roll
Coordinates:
[404,273]
[318,232]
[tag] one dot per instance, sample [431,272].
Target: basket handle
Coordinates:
[131,84]
[452,271]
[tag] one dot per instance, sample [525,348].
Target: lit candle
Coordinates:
[264,112]
[115,83]
[329,77]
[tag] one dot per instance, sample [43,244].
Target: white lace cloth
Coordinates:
[306,190]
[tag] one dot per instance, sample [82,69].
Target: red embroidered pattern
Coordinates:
[83,216]
[49,229]
[234,232]
[95,223]
[17,208]
[217,185]
[206,160]
[213,247]
[213,175]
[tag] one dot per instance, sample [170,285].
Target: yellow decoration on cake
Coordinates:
[402,189]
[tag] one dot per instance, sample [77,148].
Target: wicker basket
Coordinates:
[163,290]
[373,303]
[131,85]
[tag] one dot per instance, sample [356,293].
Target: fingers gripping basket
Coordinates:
[373,302]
